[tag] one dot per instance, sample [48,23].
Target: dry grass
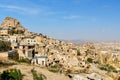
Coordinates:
[26,69]
[3,59]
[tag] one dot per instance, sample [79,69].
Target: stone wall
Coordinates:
[3,55]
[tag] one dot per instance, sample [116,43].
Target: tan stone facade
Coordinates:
[4,32]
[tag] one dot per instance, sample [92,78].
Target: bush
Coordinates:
[87,52]
[68,71]
[13,31]
[23,60]
[96,62]
[78,53]
[107,67]
[55,68]
[38,76]
[12,74]
[90,60]
[5,46]
[6,63]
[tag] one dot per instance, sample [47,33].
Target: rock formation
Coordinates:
[70,57]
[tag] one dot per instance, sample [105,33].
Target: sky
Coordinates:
[67,19]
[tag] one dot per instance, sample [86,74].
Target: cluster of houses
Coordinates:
[46,51]
[37,47]
[26,46]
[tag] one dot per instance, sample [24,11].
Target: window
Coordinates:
[28,40]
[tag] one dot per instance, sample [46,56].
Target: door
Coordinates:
[42,62]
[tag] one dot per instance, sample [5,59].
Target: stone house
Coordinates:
[3,31]
[28,41]
[13,40]
[13,54]
[39,60]
[26,50]
[26,47]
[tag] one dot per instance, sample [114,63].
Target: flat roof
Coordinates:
[40,56]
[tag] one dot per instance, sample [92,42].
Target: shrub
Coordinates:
[5,46]
[38,76]
[68,71]
[55,68]
[12,74]
[6,63]
[13,31]
[23,60]
[90,60]
[78,53]
[96,62]
[107,67]
[87,52]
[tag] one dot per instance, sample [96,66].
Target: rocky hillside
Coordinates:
[69,58]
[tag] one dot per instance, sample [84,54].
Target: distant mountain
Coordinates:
[80,41]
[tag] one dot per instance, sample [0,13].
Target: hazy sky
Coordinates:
[67,19]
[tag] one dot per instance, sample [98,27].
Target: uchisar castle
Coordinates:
[88,61]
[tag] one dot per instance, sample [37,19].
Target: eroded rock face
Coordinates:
[78,58]
[9,22]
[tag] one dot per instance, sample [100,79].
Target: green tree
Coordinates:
[5,46]
[12,74]
[38,76]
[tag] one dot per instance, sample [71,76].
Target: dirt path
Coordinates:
[26,69]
